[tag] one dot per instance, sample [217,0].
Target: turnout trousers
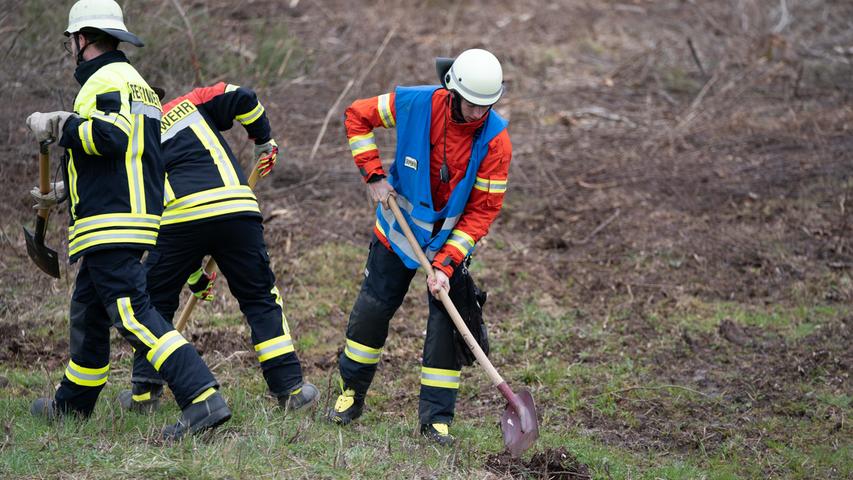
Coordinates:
[386,281]
[237,245]
[110,291]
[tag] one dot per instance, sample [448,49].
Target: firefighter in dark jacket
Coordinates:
[210,210]
[449,177]
[115,183]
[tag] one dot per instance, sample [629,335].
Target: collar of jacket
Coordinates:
[88,68]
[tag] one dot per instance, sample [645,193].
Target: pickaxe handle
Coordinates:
[209,268]
[44,175]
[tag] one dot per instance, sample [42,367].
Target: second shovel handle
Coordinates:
[481,357]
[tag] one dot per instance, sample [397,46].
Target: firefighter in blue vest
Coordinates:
[449,176]
[114,176]
[210,210]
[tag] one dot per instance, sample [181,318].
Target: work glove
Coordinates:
[201,284]
[266,154]
[48,126]
[438,282]
[49,199]
[380,190]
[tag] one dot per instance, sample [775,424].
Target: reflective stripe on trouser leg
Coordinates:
[386,281]
[89,346]
[441,369]
[274,347]
[164,347]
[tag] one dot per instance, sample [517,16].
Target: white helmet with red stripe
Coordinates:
[476,74]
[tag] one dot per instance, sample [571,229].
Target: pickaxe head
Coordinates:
[44,258]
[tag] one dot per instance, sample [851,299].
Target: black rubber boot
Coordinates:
[198,417]
[300,397]
[348,407]
[438,433]
[144,398]
[45,408]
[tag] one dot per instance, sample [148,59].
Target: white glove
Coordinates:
[48,125]
[49,199]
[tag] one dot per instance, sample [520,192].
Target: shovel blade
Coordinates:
[519,424]
[44,258]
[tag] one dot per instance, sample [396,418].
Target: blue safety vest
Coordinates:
[410,176]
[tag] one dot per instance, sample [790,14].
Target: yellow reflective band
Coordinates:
[362,353]
[437,377]
[210,391]
[482,184]
[72,180]
[217,152]
[379,227]
[384,107]
[463,236]
[142,237]
[251,115]
[362,143]
[206,211]
[142,397]
[462,249]
[168,343]
[115,120]
[497,186]
[131,324]
[211,195]
[133,165]
[274,347]
[280,304]
[168,193]
[87,138]
[296,392]
[113,220]
[87,377]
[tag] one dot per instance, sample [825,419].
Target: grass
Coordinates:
[587,384]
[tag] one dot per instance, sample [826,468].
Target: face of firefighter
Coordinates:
[471,112]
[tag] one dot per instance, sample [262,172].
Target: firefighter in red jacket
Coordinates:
[449,177]
[210,210]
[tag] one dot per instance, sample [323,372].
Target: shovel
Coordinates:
[519,424]
[44,258]
[209,268]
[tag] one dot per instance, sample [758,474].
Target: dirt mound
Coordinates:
[551,464]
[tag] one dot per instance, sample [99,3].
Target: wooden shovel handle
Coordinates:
[209,267]
[481,357]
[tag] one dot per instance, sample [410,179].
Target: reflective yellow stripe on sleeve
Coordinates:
[87,138]
[362,143]
[497,186]
[482,184]
[437,377]
[87,377]
[251,115]
[384,106]
[461,241]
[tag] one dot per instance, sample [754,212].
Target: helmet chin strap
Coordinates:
[80,51]
[456,107]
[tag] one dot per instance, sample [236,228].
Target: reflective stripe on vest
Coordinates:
[411,180]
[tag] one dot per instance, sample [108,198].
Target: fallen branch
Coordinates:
[346,90]
[193,55]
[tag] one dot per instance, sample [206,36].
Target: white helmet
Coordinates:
[104,15]
[477,75]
